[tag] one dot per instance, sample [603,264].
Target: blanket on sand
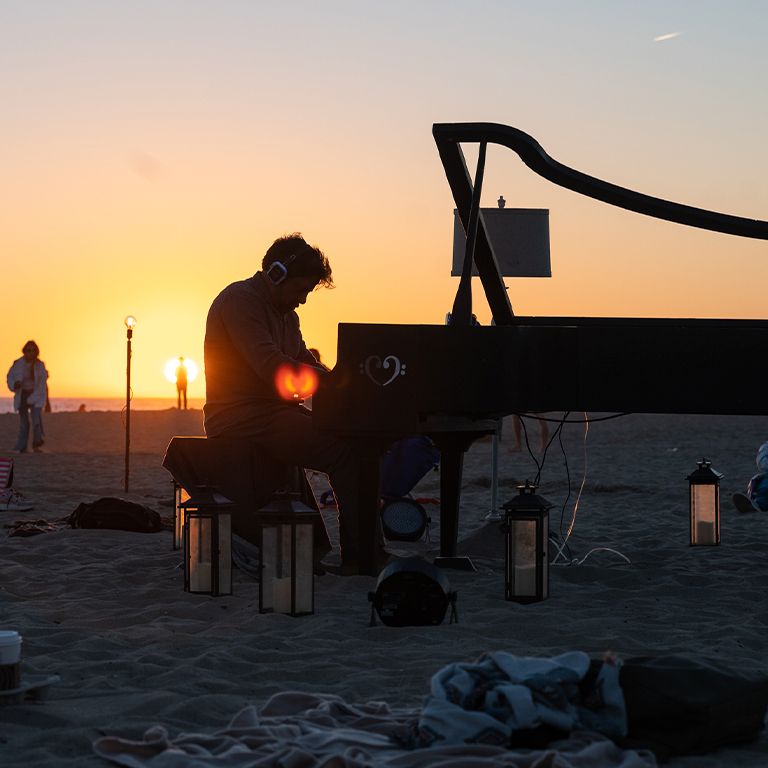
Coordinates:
[305,730]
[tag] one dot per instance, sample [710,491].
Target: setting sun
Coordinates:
[173,364]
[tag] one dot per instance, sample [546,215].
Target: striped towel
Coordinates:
[6,472]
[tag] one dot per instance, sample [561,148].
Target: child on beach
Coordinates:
[756,497]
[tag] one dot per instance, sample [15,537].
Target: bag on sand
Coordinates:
[684,706]
[116,514]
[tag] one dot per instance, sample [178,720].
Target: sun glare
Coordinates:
[173,364]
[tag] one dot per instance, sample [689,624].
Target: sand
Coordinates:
[106,611]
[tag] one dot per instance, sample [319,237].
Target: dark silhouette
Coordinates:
[252,331]
[181,384]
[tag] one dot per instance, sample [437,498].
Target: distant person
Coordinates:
[543,433]
[82,408]
[28,380]
[181,384]
[756,497]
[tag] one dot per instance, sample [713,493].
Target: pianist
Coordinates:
[252,329]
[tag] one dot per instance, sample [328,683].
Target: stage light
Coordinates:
[403,519]
[412,592]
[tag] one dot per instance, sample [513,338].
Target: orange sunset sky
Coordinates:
[152,150]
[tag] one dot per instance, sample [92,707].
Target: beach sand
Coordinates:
[106,610]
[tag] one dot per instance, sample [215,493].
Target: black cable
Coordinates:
[572,421]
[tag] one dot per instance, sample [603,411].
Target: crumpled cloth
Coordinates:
[305,730]
[490,700]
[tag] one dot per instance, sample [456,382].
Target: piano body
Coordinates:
[453,382]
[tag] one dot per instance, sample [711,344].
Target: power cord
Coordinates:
[563,549]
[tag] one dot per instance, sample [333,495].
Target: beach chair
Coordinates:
[6,472]
[242,472]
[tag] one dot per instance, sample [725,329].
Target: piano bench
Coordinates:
[243,472]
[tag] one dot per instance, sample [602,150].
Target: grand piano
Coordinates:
[453,382]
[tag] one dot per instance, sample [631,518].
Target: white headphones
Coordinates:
[278,271]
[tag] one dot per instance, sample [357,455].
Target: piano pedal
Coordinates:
[460,563]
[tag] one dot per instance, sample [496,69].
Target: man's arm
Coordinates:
[249,327]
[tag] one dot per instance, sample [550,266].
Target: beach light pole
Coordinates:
[704,504]
[526,561]
[285,531]
[130,324]
[207,542]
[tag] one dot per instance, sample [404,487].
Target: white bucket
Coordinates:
[10,646]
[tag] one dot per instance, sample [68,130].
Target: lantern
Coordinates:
[207,542]
[285,530]
[526,526]
[179,497]
[704,496]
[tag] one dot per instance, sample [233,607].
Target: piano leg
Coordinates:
[452,448]
[368,512]
[451,467]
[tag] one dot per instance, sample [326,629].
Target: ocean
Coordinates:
[107,403]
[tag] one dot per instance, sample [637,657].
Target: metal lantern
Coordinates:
[207,542]
[526,526]
[704,495]
[285,530]
[180,495]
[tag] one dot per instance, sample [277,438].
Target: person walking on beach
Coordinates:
[181,384]
[28,380]
[252,330]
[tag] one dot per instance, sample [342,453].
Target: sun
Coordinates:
[173,364]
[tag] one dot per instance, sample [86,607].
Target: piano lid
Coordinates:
[448,137]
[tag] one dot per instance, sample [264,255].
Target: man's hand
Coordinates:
[16,385]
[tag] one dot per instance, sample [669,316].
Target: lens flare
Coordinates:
[296,383]
[170,369]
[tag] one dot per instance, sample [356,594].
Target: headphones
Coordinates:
[278,271]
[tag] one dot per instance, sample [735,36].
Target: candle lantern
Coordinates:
[285,530]
[526,526]
[180,495]
[207,542]
[704,501]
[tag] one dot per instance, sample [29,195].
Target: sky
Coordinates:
[153,149]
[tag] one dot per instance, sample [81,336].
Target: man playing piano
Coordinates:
[252,331]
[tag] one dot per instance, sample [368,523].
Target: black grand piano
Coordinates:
[453,382]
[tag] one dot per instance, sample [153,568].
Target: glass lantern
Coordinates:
[704,502]
[526,527]
[285,530]
[207,543]
[180,495]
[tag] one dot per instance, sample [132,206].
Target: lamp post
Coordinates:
[130,323]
